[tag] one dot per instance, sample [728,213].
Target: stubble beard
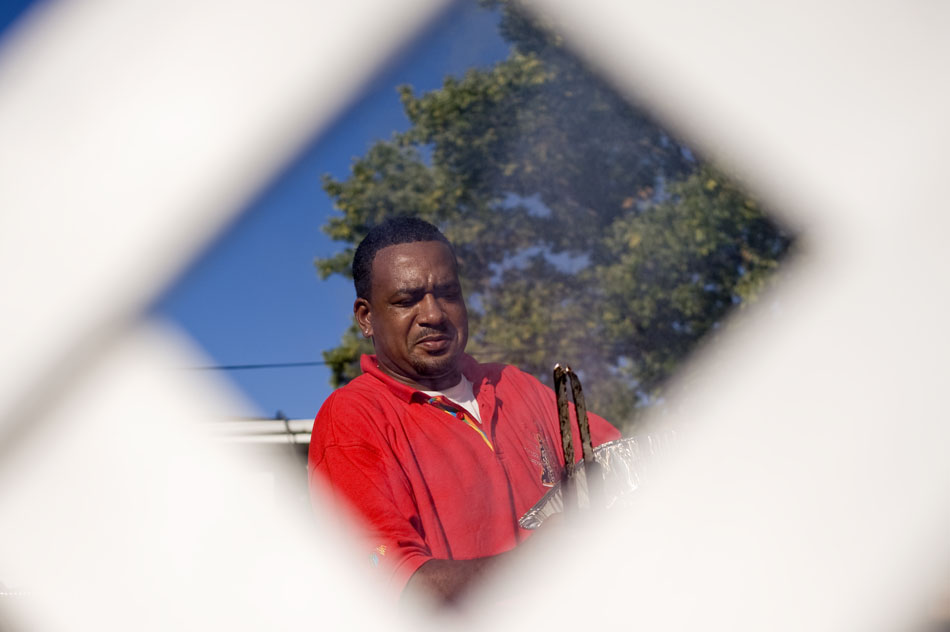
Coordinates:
[433,366]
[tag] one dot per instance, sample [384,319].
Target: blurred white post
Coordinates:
[132,132]
[814,492]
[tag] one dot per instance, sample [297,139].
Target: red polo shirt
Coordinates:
[430,480]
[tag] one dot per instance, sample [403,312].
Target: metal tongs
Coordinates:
[578,483]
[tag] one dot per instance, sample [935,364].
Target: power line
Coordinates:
[489,353]
[485,352]
[270,365]
[283,365]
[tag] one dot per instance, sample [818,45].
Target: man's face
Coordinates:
[416,314]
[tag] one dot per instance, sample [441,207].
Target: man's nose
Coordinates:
[430,310]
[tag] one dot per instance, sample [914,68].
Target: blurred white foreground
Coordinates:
[813,493]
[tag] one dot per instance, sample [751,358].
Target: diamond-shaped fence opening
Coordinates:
[586,233]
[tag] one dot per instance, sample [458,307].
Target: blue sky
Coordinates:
[11,11]
[254,297]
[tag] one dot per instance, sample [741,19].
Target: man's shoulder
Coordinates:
[363,390]
[354,412]
[507,378]
[502,373]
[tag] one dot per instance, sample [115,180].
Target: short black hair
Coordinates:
[390,232]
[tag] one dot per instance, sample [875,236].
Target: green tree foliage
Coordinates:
[585,233]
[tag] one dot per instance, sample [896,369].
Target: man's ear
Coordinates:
[363,317]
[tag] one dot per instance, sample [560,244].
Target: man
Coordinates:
[440,454]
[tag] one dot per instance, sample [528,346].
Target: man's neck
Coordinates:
[440,383]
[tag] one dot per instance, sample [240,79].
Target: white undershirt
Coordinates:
[463,395]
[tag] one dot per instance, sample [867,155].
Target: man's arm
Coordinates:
[448,579]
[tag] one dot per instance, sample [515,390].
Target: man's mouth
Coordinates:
[434,343]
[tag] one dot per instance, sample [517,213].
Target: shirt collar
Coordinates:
[369,365]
